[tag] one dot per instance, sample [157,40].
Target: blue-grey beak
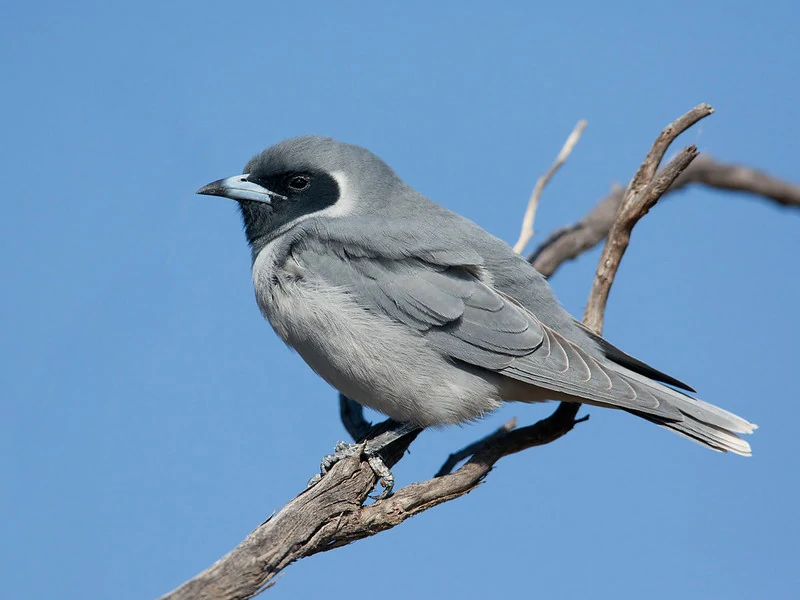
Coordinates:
[239,187]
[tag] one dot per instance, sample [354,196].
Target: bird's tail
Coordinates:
[707,425]
[562,370]
[704,423]
[699,421]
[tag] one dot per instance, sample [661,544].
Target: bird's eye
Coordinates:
[299,183]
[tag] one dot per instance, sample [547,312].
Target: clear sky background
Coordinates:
[151,418]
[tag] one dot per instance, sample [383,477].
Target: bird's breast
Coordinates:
[278,282]
[371,358]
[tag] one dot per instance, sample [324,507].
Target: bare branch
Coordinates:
[643,192]
[313,522]
[707,171]
[567,243]
[473,448]
[533,203]
[647,170]
[620,235]
[418,497]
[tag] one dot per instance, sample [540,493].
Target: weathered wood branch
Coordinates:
[644,190]
[527,231]
[567,243]
[333,512]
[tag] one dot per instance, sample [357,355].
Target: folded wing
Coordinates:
[467,319]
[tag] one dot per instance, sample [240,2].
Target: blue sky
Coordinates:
[150,418]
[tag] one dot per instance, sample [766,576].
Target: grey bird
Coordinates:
[415,311]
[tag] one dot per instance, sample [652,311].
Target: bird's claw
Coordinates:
[341,451]
[344,450]
[384,473]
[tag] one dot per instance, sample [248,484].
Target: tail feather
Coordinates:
[704,423]
[561,369]
[705,434]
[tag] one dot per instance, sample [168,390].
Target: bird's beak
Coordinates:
[240,188]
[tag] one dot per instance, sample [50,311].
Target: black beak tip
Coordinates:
[212,189]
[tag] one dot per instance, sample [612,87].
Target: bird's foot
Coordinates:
[341,451]
[344,450]
[370,449]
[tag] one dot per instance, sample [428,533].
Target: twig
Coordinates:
[467,451]
[643,192]
[647,170]
[707,171]
[533,203]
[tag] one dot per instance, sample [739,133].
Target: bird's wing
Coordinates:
[629,362]
[467,319]
[461,316]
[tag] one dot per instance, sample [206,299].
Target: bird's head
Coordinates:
[304,177]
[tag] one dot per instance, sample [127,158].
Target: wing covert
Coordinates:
[461,315]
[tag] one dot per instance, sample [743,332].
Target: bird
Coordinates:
[419,313]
